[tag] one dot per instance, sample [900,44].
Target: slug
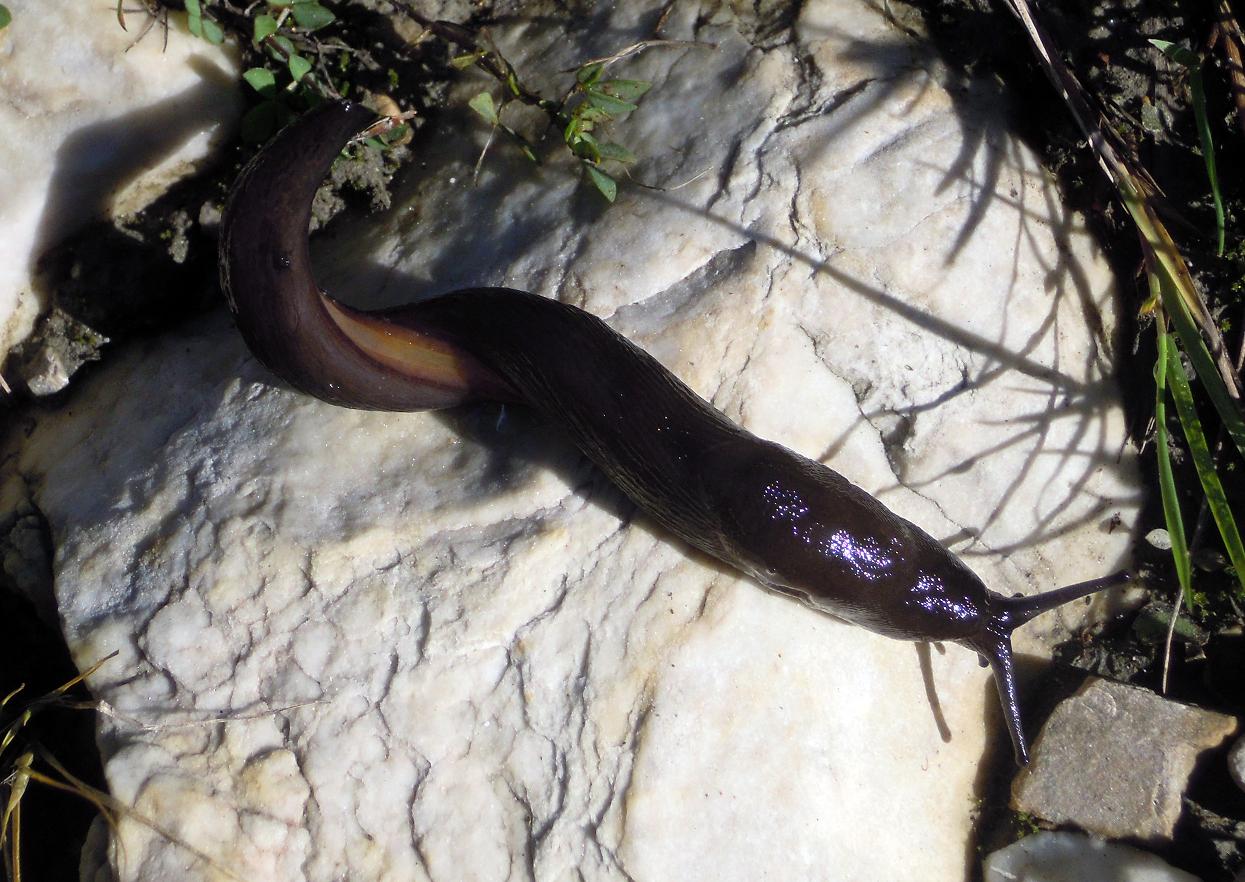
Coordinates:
[790,523]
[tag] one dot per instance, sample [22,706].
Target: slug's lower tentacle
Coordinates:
[789,522]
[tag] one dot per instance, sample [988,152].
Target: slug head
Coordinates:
[994,643]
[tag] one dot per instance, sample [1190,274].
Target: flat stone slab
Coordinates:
[1115,760]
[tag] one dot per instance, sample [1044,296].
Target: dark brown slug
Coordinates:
[792,524]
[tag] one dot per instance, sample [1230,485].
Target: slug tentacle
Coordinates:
[1015,611]
[793,524]
[1009,613]
[998,652]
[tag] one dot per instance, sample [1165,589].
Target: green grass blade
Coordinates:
[1175,290]
[1193,63]
[1216,499]
[1167,480]
[1203,364]
[1208,153]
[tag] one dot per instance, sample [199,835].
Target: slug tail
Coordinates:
[341,355]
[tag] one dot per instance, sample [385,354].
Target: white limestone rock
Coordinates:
[93,123]
[1072,857]
[441,646]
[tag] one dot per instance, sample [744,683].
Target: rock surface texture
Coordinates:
[1115,760]
[440,646]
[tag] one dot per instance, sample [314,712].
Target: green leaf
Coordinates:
[195,25]
[589,114]
[260,122]
[397,133]
[262,80]
[607,185]
[311,16]
[1212,488]
[616,152]
[590,73]
[1203,364]
[1175,289]
[193,9]
[483,105]
[1167,479]
[608,103]
[5,16]
[1178,53]
[212,32]
[283,48]
[299,67]
[1208,153]
[462,62]
[265,26]
[584,145]
[280,3]
[626,90]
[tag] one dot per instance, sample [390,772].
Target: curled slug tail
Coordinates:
[321,347]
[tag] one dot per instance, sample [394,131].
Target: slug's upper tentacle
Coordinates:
[791,523]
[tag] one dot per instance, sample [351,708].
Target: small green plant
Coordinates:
[281,34]
[593,101]
[291,69]
[202,25]
[5,16]
[1025,824]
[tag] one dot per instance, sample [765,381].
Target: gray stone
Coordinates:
[60,345]
[1115,759]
